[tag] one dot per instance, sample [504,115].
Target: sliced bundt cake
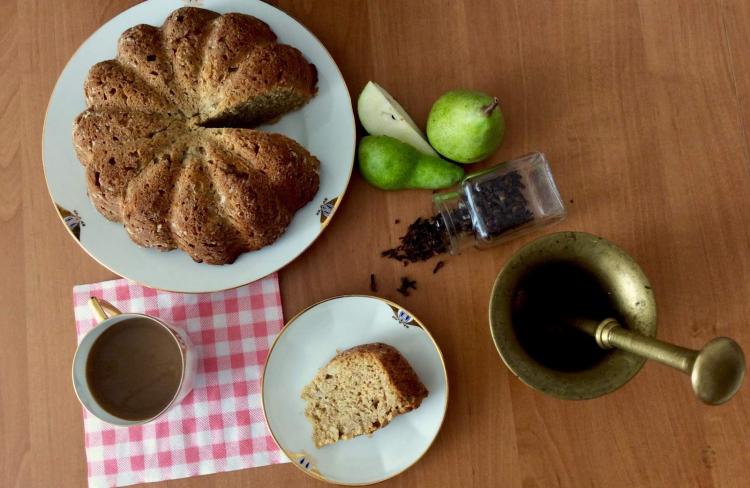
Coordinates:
[166,138]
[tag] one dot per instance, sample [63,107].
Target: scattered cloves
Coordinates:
[406,284]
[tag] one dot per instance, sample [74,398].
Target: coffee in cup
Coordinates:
[131,368]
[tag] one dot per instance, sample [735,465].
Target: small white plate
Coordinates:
[325,126]
[307,343]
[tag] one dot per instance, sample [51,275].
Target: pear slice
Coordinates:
[381,115]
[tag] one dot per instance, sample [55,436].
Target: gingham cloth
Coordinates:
[219,426]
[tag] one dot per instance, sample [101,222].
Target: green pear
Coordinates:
[465,126]
[390,164]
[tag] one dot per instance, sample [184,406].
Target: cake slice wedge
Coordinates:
[360,391]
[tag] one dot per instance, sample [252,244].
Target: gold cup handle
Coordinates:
[102,309]
[716,371]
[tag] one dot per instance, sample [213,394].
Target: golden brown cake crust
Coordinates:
[272,80]
[153,157]
[291,171]
[231,39]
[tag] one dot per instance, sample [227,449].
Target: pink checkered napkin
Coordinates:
[219,426]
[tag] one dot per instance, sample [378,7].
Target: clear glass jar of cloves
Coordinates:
[485,209]
[498,204]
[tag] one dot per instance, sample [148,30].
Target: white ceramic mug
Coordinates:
[108,316]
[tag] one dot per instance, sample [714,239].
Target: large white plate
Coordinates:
[307,343]
[325,126]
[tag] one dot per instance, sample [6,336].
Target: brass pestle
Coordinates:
[716,371]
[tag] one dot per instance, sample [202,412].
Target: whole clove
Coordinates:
[406,285]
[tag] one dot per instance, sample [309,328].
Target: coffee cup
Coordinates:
[132,368]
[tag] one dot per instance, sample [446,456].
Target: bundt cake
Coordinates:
[360,391]
[167,138]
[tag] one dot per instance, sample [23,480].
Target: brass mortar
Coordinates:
[631,294]
[627,336]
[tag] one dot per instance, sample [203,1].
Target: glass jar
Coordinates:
[499,203]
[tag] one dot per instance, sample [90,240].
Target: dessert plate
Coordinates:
[308,342]
[325,126]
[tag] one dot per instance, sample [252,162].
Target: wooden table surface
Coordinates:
[642,107]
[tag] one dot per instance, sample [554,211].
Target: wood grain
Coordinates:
[642,107]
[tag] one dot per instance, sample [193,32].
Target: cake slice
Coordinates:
[360,391]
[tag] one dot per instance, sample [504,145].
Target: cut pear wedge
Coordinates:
[382,115]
